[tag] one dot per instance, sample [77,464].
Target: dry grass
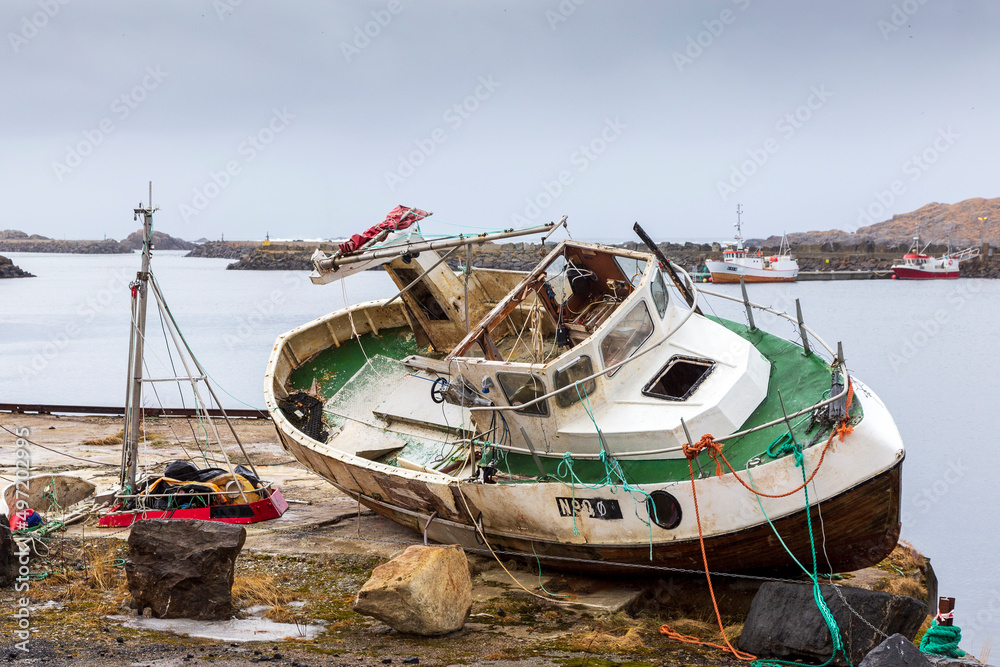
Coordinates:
[263,589]
[905,586]
[106,441]
[906,558]
[603,642]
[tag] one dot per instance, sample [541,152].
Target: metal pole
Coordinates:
[468,270]
[417,279]
[411,248]
[746,302]
[139,332]
[802,331]
[655,249]
[687,434]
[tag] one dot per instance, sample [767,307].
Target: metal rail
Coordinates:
[48,409]
[333,263]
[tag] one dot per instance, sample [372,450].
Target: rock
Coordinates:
[425,591]
[896,651]
[945,661]
[784,622]
[183,569]
[10,270]
[8,554]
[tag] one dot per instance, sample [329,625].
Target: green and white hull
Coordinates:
[572,449]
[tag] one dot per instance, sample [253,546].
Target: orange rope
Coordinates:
[715,453]
[666,629]
[708,443]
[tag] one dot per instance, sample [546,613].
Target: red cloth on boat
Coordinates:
[400,217]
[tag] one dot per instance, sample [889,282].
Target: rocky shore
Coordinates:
[13,240]
[306,569]
[10,270]
[221,249]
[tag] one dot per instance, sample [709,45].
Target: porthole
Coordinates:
[664,509]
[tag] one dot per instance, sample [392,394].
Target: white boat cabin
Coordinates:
[594,338]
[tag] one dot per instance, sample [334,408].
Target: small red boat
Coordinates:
[917,265]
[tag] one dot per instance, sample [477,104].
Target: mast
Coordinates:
[133,394]
[739,227]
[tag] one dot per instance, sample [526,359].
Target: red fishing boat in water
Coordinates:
[917,265]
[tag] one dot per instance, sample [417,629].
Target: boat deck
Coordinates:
[367,389]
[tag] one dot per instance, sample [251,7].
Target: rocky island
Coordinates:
[10,270]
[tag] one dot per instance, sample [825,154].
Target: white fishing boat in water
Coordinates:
[738,262]
[587,413]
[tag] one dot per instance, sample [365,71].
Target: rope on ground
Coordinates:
[942,640]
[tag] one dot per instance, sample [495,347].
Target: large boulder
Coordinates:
[896,651]
[183,569]
[784,622]
[425,591]
[8,554]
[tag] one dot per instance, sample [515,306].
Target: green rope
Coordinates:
[942,640]
[824,610]
[614,476]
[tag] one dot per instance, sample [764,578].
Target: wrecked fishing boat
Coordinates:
[206,486]
[587,413]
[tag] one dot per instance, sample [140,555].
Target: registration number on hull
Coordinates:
[593,508]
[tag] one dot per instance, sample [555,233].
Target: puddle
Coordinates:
[234,630]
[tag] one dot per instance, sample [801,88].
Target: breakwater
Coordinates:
[877,260]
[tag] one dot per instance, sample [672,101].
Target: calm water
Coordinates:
[928,349]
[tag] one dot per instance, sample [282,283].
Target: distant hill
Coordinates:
[161,241]
[936,222]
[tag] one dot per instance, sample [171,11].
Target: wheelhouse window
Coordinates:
[628,335]
[679,378]
[575,370]
[520,388]
[659,292]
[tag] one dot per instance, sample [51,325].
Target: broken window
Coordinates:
[628,335]
[679,378]
[520,388]
[659,292]
[575,370]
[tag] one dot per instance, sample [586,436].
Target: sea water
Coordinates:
[928,349]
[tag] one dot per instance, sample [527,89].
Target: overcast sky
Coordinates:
[314,119]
